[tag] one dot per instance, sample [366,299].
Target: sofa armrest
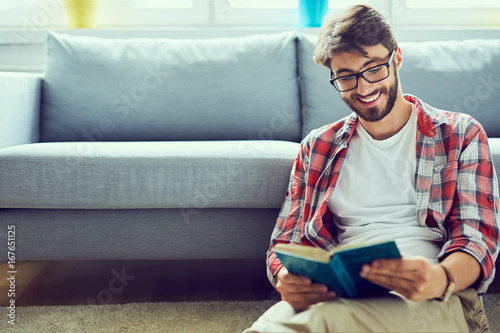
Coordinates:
[20,101]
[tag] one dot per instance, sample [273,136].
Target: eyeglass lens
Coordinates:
[371,75]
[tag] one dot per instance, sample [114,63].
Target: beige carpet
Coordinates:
[184,317]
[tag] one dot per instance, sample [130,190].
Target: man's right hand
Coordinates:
[299,291]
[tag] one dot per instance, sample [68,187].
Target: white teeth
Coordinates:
[368,100]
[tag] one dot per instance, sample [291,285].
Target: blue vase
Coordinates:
[312,12]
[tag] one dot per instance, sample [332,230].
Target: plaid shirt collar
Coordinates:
[428,120]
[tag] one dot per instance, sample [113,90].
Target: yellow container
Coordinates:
[81,13]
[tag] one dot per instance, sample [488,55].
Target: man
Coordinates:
[394,169]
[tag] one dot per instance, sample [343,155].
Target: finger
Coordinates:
[300,301]
[394,275]
[416,269]
[410,290]
[312,288]
[410,287]
[407,263]
[310,296]
[296,279]
[392,282]
[370,273]
[301,288]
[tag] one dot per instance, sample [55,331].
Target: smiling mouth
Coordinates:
[370,99]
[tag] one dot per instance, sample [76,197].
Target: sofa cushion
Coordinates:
[99,175]
[98,89]
[19,108]
[462,76]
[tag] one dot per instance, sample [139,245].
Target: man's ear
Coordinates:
[399,58]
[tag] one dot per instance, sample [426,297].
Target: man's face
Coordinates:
[370,101]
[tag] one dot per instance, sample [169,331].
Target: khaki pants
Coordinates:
[392,313]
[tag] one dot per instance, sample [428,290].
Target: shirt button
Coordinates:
[490,198]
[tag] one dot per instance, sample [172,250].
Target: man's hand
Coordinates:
[411,276]
[299,291]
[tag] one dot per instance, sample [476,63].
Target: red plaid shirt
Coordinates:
[455,180]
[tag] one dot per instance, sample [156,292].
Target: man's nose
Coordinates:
[364,87]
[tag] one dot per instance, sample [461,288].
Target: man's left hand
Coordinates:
[412,276]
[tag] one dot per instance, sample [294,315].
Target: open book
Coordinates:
[338,269]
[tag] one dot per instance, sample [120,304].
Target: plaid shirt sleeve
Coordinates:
[472,223]
[289,224]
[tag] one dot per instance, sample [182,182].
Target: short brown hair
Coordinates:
[358,27]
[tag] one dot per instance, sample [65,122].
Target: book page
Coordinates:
[355,246]
[311,253]
[317,254]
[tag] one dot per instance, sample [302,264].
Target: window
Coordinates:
[450,13]
[48,14]
[453,4]
[268,12]
[40,14]
[140,13]
[163,4]
[287,3]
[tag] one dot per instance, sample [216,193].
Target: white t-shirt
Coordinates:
[375,197]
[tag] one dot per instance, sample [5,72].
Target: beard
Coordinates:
[374,114]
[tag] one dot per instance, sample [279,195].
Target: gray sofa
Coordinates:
[180,149]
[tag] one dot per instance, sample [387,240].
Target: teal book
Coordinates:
[338,269]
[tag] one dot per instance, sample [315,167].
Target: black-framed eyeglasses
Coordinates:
[371,75]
